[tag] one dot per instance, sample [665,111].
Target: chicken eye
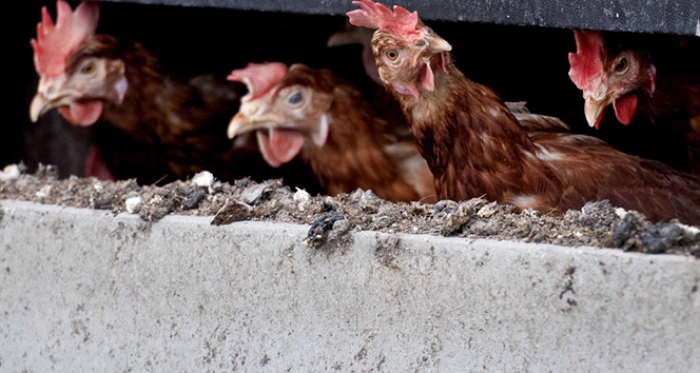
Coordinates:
[88,68]
[392,55]
[295,98]
[621,65]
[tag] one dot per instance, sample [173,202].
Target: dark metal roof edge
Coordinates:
[659,16]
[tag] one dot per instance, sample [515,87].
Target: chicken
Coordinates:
[156,128]
[331,125]
[616,69]
[476,148]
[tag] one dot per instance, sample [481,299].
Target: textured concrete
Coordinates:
[660,16]
[84,291]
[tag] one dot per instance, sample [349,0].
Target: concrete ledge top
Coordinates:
[11,206]
[660,16]
[83,290]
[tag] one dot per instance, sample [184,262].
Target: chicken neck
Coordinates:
[474,146]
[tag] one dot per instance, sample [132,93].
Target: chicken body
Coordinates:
[331,125]
[645,80]
[476,148]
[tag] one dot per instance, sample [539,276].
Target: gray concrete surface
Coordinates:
[84,291]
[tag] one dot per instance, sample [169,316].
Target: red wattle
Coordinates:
[625,107]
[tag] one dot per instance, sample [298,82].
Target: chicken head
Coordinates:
[609,77]
[73,79]
[283,111]
[406,51]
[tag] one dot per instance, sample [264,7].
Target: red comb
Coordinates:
[259,78]
[378,16]
[586,64]
[55,42]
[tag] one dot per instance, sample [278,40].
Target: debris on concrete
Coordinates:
[133,204]
[320,229]
[232,211]
[203,179]
[597,224]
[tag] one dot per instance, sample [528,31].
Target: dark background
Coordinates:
[520,63]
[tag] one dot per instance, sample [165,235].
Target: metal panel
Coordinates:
[658,16]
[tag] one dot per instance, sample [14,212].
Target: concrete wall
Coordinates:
[84,291]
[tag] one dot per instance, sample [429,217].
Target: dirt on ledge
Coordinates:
[597,224]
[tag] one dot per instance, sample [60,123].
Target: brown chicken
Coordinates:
[155,127]
[331,125]
[476,148]
[617,70]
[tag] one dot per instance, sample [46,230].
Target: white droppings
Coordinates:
[203,179]
[10,173]
[302,198]
[693,231]
[620,212]
[44,191]
[530,212]
[488,210]
[132,204]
